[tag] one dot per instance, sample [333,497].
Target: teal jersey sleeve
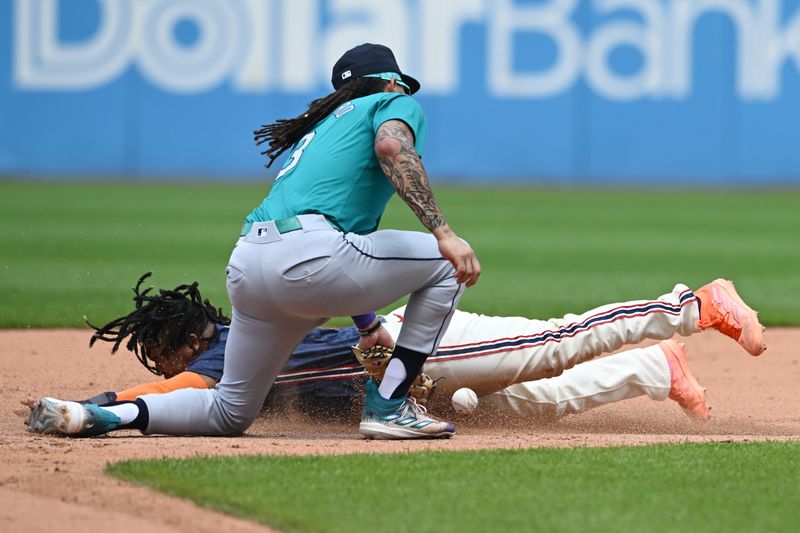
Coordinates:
[405,108]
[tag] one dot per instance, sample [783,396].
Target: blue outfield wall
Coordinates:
[569,91]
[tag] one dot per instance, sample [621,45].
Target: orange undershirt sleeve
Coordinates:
[184,380]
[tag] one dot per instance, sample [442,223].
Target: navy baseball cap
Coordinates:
[367,59]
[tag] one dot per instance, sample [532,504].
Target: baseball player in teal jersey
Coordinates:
[311,251]
[309,183]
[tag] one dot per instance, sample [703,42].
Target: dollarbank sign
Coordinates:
[474,56]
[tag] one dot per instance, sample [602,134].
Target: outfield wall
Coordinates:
[653,91]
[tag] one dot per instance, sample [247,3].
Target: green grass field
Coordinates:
[70,250]
[698,488]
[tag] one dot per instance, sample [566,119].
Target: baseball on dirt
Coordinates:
[464,401]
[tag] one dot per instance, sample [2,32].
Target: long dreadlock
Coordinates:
[167,319]
[284,133]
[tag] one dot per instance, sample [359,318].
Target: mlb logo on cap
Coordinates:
[346,74]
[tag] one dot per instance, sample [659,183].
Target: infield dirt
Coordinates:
[57,484]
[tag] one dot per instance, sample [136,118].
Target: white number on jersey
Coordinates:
[296,154]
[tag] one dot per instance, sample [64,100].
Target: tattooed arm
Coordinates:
[394,148]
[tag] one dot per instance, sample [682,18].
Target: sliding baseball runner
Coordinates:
[534,368]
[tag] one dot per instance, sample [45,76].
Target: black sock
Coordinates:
[412,361]
[141,420]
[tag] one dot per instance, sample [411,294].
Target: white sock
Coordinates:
[394,376]
[127,412]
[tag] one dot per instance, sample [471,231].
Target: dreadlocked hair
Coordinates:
[166,318]
[285,133]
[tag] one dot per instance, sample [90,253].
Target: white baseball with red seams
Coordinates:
[464,401]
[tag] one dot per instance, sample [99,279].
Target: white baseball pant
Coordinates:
[507,360]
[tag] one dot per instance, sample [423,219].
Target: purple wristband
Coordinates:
[364,321]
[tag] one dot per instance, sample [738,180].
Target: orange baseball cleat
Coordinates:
[723,309]
[685,389]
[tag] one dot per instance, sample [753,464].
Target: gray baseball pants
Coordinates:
[282,285]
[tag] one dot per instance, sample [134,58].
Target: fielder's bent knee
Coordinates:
[235,423]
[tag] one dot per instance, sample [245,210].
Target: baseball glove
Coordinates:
[374,361]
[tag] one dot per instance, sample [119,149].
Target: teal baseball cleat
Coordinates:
[402,418]
[50,415]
